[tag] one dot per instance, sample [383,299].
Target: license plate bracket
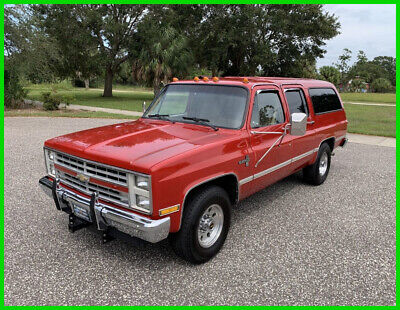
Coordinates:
[81,212]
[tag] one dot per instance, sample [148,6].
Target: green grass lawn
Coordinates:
[369,97]
[65,113]
[371,120]
[132,101]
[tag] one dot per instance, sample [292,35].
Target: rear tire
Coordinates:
[317,173]
[204,227]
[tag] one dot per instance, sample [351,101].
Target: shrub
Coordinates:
[14,93]
[381,85]
[52,100]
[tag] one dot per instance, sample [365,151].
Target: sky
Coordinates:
[367,27]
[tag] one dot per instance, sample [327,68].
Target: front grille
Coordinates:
[96,171]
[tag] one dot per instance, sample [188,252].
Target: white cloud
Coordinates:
[367,27]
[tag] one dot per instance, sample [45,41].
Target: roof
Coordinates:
[278,81]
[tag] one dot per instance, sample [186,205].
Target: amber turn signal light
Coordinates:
[175,79]
[169,210]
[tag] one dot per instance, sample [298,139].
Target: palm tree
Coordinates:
[162,56]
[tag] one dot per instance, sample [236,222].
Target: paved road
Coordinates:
[290,244]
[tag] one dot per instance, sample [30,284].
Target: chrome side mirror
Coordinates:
[298,124]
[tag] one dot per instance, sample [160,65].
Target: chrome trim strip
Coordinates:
[246,180]
[276,167]
[270,148]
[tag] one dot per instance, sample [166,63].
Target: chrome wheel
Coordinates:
[323,164]
[210,226]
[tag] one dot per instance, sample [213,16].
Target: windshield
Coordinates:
[212,105]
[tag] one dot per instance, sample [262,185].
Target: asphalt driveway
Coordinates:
[290,244]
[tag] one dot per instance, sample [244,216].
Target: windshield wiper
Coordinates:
[201,121]
[161,116]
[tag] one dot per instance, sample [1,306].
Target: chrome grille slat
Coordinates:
[95,170]
[98,171]
[104,193]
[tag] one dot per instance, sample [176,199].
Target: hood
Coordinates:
[136,145]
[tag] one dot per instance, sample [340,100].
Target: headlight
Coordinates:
[142,201]
[142,182]
[140,193]
[49,157]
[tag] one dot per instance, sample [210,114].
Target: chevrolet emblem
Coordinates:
[83,178]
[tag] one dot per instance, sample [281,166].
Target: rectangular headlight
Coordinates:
[49,157]
[142,182]
[140,193]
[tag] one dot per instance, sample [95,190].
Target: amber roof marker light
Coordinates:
[175,79]
[245,80]
[205,79]
[196,79]
[215,79]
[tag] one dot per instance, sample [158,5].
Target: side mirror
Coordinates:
[298,124]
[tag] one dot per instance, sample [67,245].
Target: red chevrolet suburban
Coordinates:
[199,148]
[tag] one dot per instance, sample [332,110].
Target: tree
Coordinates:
[330,74]
[343,64]
[164,53]
[279,39]
[370,70]
[92,35]
[389,65]
[381,85]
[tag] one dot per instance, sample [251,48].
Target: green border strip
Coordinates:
[193,2]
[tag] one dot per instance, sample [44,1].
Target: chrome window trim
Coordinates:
[303,97]
[205,181]
[264,84]
[260,91]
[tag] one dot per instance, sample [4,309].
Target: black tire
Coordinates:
[185,243]
[311,174]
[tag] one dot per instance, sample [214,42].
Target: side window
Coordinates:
[296,101]
[324,100]
[267,110]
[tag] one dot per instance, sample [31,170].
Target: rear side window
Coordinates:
[296,101]
[267,110]
[324,100]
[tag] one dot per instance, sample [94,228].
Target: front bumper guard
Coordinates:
[106,216]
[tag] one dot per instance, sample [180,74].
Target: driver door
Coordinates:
[272,149]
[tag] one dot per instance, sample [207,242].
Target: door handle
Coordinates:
[310,123]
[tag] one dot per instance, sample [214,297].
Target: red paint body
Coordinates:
[179,156]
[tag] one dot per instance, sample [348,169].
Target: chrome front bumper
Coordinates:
[105,216]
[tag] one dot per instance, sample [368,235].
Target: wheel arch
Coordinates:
[330,141]
[229,182]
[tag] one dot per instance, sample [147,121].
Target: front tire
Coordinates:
[317,173]
[205,225]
